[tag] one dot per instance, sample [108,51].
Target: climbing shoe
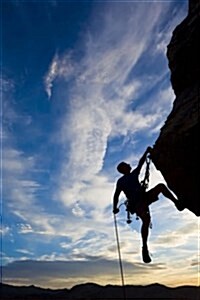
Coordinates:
[179,205]
[145,255]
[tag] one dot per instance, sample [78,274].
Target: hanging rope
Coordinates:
[120,259]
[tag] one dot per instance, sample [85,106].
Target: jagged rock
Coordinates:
[176,151]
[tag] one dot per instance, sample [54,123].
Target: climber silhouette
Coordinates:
[139,199]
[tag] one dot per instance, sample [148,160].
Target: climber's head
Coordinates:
[123,168]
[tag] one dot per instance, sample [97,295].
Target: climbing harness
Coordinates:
[120,258]
[144,185]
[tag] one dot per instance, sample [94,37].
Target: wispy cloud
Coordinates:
[4,230]
[61,67]
[24,251]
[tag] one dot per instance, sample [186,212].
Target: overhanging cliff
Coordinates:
[176,151]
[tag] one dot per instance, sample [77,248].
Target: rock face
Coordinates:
[176,151]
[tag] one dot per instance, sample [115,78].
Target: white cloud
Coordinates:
[25,251]
[77,210]
[4,230]
[60,67]
[51,75]
[163,37]
[25,228]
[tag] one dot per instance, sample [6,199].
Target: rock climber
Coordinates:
[139,199]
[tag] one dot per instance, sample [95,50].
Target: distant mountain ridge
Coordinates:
[92,291]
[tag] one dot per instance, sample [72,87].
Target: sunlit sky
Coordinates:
[85,85]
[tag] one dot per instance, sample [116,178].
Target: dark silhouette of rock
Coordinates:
[176,151]
[30,293]
[91,291]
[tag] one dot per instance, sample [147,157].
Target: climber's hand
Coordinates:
[115,211]
[149,149]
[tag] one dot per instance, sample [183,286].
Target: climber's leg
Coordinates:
[145,217]
[152,195]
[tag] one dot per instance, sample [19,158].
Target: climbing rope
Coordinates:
[120,259]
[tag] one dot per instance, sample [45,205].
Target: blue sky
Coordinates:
[85,84]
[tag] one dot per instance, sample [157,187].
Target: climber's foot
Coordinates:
[145,255]
[179,205]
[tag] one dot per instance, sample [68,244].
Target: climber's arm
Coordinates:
[142,159]
[116,199]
